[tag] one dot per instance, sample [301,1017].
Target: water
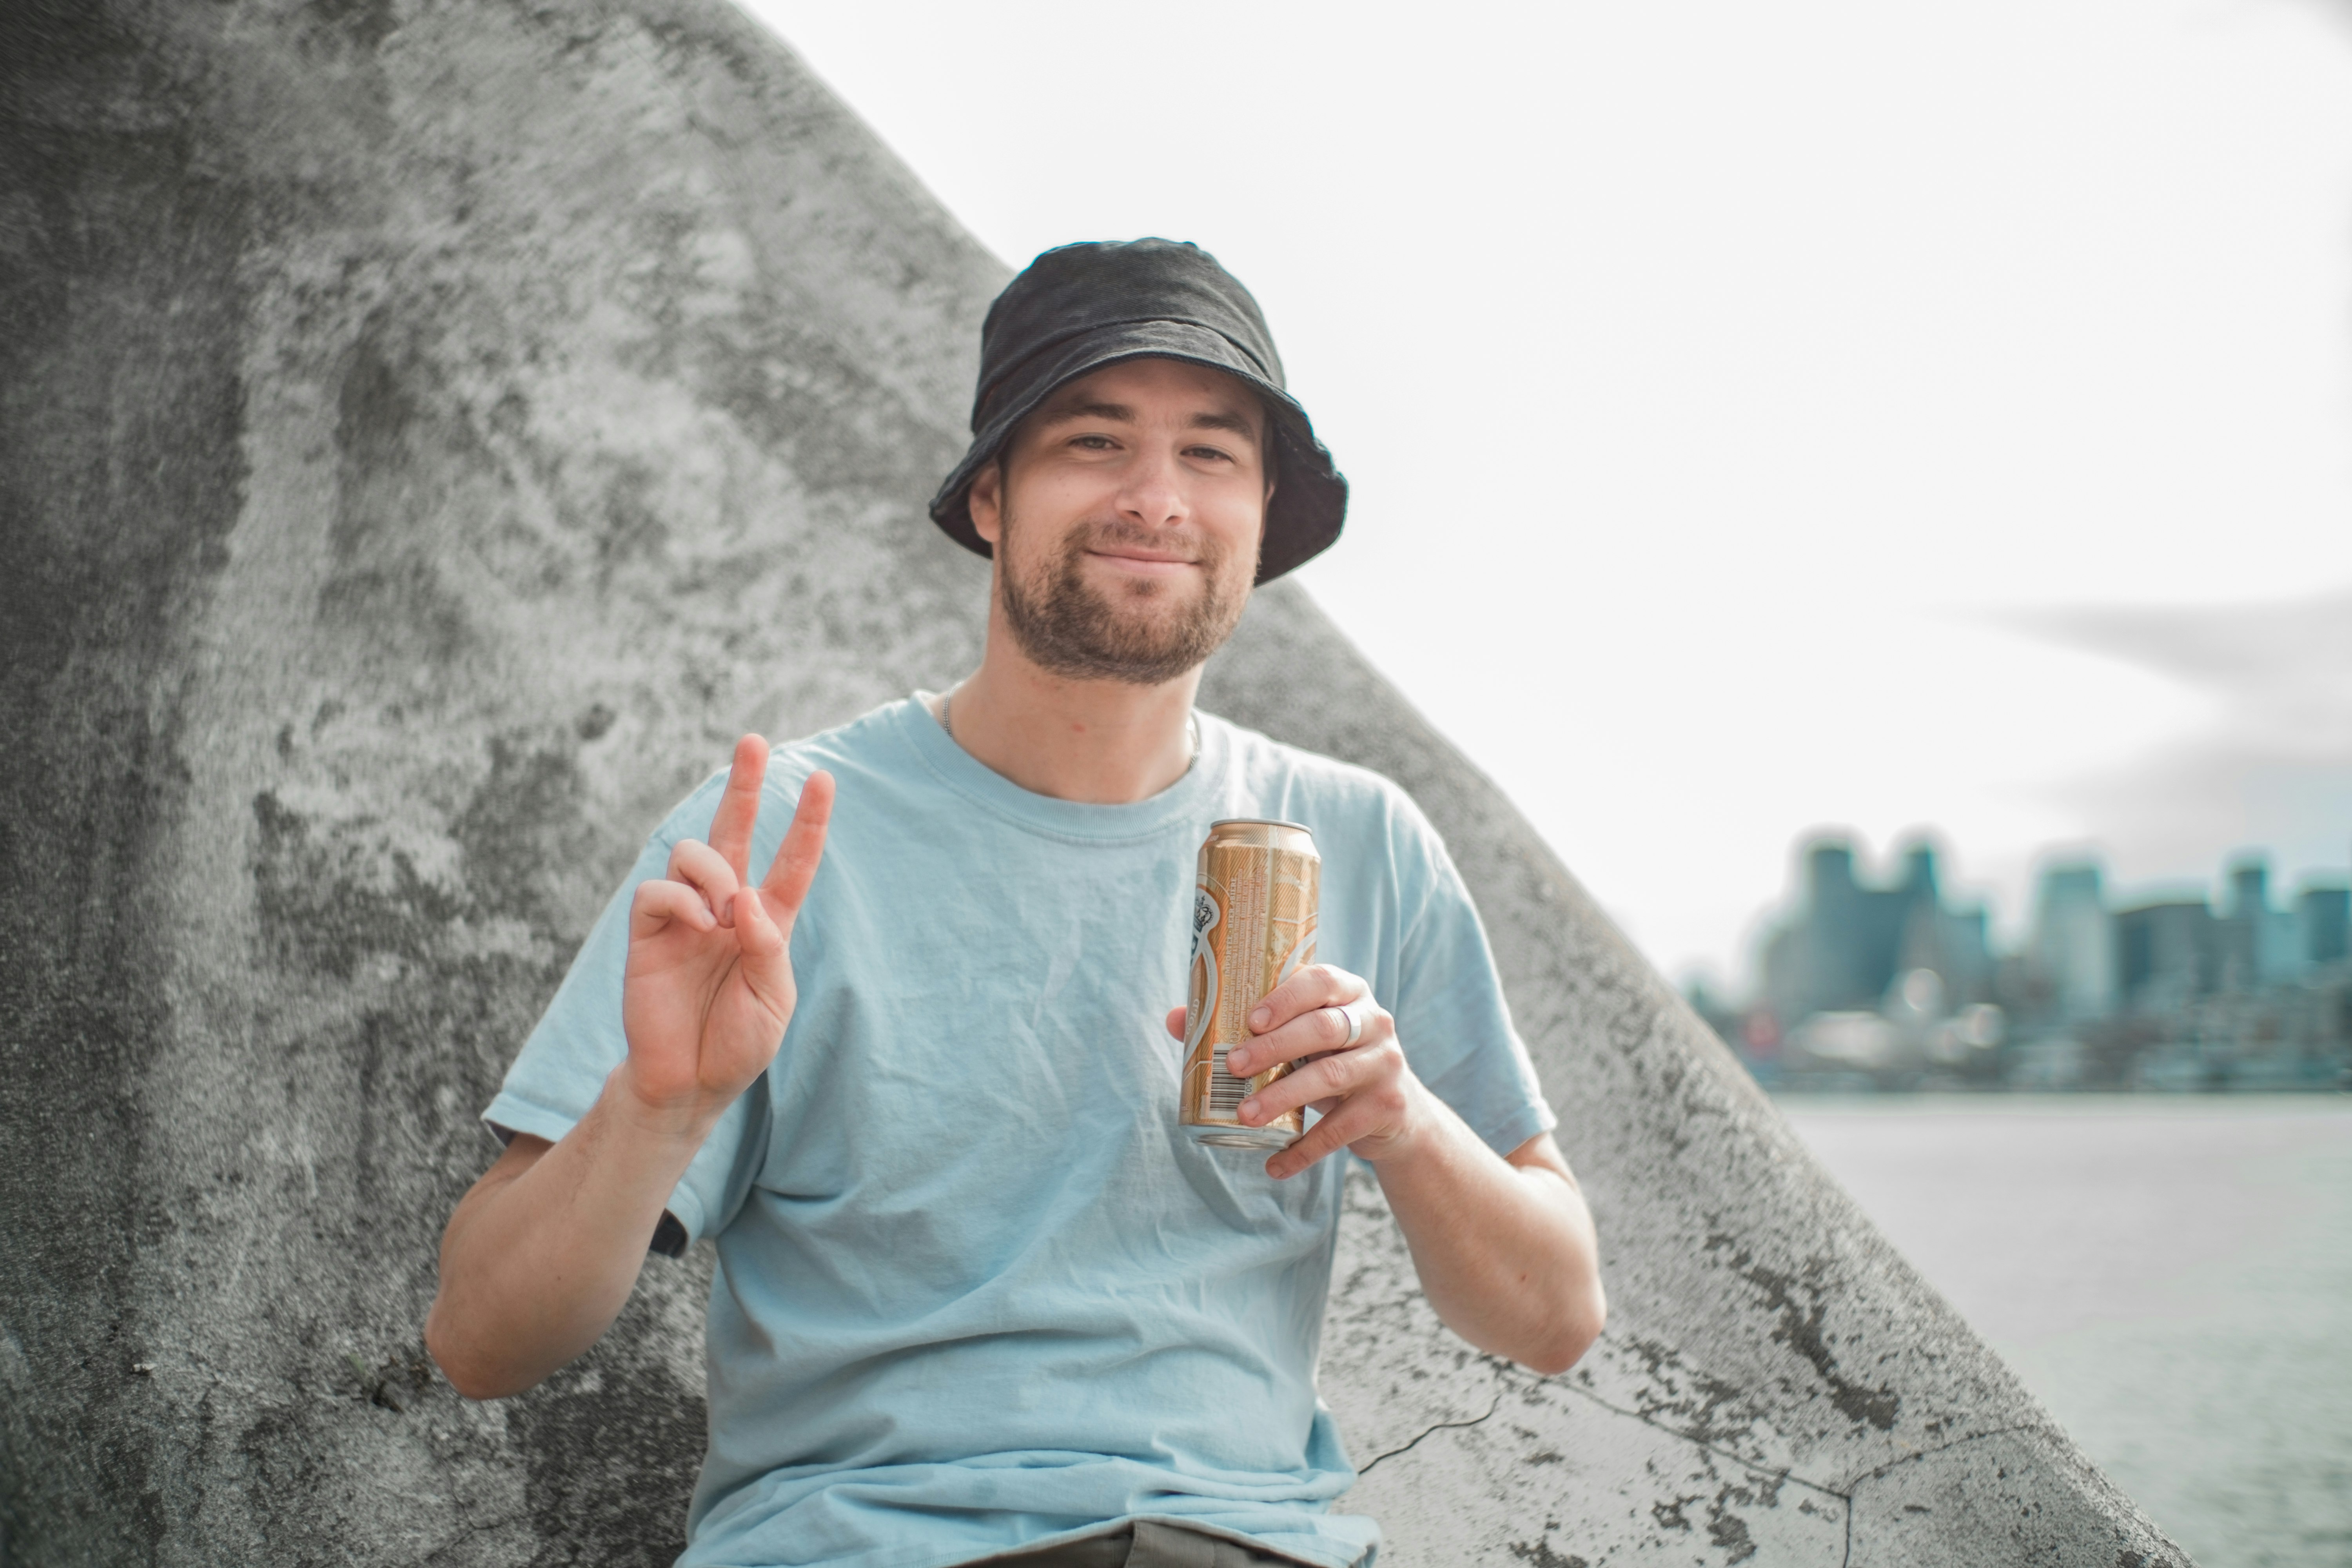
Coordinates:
[2172,1277]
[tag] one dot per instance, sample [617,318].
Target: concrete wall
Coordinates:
[428,434]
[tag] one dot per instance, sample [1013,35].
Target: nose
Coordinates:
[1152,491]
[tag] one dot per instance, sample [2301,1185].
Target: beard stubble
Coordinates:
[1072,629]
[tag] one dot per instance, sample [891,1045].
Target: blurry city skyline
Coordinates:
[2007,929]
[1762,420]
[1891,978]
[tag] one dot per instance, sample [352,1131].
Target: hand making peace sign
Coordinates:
[708,986]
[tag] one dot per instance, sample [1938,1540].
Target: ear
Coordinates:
[985,500]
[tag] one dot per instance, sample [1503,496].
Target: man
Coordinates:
[977,1296]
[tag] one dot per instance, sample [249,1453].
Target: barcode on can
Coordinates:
[1227,1092]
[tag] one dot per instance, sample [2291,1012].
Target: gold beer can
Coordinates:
[1253,903]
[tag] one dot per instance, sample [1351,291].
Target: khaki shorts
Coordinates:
[1145,1545]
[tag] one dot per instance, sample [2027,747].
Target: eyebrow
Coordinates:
[1121,413]
[1222,420]
[1117,413]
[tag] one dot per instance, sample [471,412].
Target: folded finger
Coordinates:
[738,806]
[656,903]
[702,867]
[1327,1137]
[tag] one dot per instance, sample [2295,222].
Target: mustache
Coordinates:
[1194,546]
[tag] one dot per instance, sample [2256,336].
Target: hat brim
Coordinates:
[1310,496]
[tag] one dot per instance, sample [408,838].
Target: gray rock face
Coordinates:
[428,434]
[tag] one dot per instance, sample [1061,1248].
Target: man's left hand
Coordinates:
[1364,1092]
[1503,1243]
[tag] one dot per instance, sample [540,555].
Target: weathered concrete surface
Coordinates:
[428,434]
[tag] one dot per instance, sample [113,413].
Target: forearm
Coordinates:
[1506,1251]
[535,1268]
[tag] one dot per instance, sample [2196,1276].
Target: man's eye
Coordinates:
[1094,443]
[1212,454]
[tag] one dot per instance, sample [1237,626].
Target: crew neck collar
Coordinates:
[1181,804]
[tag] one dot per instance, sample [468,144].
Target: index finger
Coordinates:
[738,808]
[1316,985]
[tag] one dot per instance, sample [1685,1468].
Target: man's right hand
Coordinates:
[709,987]
[542,1254]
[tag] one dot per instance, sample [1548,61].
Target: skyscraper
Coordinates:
[1847,943]
[2323,925]
[2256,943]
[2072,948]
[2167,954]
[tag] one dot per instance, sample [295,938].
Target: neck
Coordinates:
[1104,742]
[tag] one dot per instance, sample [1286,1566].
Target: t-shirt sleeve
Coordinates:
[578,1041]
[1450,1011]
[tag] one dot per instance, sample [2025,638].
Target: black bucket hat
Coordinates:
[1081,307]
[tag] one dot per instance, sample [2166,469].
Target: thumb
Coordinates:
[1176,1022]
[762,944]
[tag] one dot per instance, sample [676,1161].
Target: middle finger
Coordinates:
[1312,1032]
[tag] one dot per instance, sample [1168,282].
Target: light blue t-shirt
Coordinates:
[975,1291]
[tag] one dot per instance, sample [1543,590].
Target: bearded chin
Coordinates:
[1068,628]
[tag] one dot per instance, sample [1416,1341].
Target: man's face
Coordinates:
[1126,514]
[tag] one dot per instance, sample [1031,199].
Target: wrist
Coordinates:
[679,1121]
[1411,1132]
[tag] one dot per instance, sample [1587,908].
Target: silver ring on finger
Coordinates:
[1355,1024]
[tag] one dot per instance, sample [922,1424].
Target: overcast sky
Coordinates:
[1832,414]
